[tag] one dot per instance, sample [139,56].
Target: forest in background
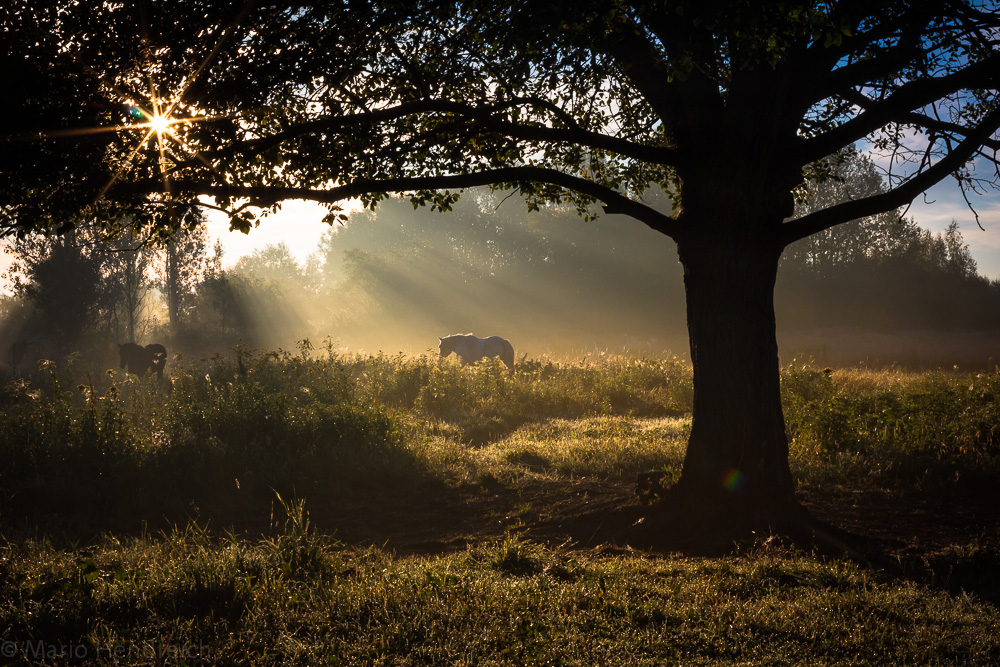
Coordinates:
[395,279]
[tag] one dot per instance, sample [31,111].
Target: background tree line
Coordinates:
[397,279]
[884,272]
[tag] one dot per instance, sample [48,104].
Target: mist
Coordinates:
[874,292]
[395,279]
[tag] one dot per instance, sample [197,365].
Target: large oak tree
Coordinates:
[728,105]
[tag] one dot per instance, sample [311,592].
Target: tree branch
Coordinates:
[904,26]
[614,202]
[898,196]
[937,125]
[645,68]
[572,134]
[909,96]
[861,72]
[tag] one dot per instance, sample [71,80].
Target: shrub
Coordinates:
[941,422]
[233,428]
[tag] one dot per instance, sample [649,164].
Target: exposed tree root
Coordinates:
[723,522]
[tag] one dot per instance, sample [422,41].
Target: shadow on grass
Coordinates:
[117,455]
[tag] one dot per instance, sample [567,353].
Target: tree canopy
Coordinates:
[271,100]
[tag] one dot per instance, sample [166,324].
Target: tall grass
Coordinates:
[443,388]
[896,425]
[245,432]
[485,401]
[76,442]
[233,429]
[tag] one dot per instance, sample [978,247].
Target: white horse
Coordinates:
[470,349]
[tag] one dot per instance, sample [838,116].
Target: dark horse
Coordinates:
[141,359]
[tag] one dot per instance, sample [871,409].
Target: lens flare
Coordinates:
[734,480]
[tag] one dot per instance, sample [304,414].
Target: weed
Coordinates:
[300,550]
[907,423]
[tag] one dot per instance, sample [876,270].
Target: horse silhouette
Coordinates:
[469,349]
[140,359]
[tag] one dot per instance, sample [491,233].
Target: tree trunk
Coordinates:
[173,288]
[736,481]
[738,446]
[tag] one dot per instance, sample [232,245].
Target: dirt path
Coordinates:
[583,512]
[946,540]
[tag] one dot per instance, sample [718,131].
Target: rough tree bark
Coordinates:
[738,445]
[736,478]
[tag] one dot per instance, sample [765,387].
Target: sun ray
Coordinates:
[76,132]
[114,178]
[193,152]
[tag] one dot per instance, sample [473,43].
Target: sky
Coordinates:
[299,225]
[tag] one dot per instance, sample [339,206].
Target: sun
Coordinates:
[160,124]
[157,120]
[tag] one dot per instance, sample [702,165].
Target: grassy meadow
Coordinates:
[313,507]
